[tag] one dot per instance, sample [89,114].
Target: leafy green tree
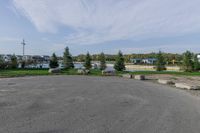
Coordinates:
[67,59]
[196,63]
[102,60]
[119,62]
[54,61]
[88,60]
[188,64]
[14,63]
[160,63]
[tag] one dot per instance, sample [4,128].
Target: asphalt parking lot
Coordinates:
[83,104]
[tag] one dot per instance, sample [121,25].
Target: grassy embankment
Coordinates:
[39,72]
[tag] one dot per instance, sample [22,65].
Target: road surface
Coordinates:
[83,104]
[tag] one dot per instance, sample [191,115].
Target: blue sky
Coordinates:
[133,26]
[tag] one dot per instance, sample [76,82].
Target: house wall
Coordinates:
[198,56]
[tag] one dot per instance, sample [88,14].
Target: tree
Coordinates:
[2,63]
[88,60]
[119,62]
[188,64]
[160,63]
[14,63]
[67,59]
[54,61]
[102,60]
[196,63]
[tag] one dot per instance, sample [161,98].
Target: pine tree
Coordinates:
[67,59]
[14,63]
[54,61]
[102,60]
[1,62]
[188,64]
[88,60]
[160,63]
[119,62]
[196,63]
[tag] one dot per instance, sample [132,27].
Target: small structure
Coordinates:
[37,59]
[150,61]
[46,58]
[27,57]
[6,58]
[136,60]
[198,56]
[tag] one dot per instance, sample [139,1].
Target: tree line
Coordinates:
[169,58]
[188,60]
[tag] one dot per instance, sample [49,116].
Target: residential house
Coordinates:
[37,59]
[149,61]
[27,57]
[198,56]
[6,58]
[136,60]
[46,58]
[19,57]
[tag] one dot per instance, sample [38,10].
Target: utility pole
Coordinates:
[23,43]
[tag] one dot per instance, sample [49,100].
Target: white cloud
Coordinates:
[98,21]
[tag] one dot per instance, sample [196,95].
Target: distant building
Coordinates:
[19,57]
[149,61]
[37,59]
[6,58]
[136,60]
[27,57]
[198,56]
[46,58]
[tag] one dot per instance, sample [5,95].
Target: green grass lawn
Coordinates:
[22,72]
[168,72]
[38,72]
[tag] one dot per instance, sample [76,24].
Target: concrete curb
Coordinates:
[139,77]
[128,76]
[187,86]
[167,82]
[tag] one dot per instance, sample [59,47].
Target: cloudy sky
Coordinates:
[134,26]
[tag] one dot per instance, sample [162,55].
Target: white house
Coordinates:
[144,61]
[27,57]
[7,58]
[198,56]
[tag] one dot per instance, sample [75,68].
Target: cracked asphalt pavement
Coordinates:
[87,104]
